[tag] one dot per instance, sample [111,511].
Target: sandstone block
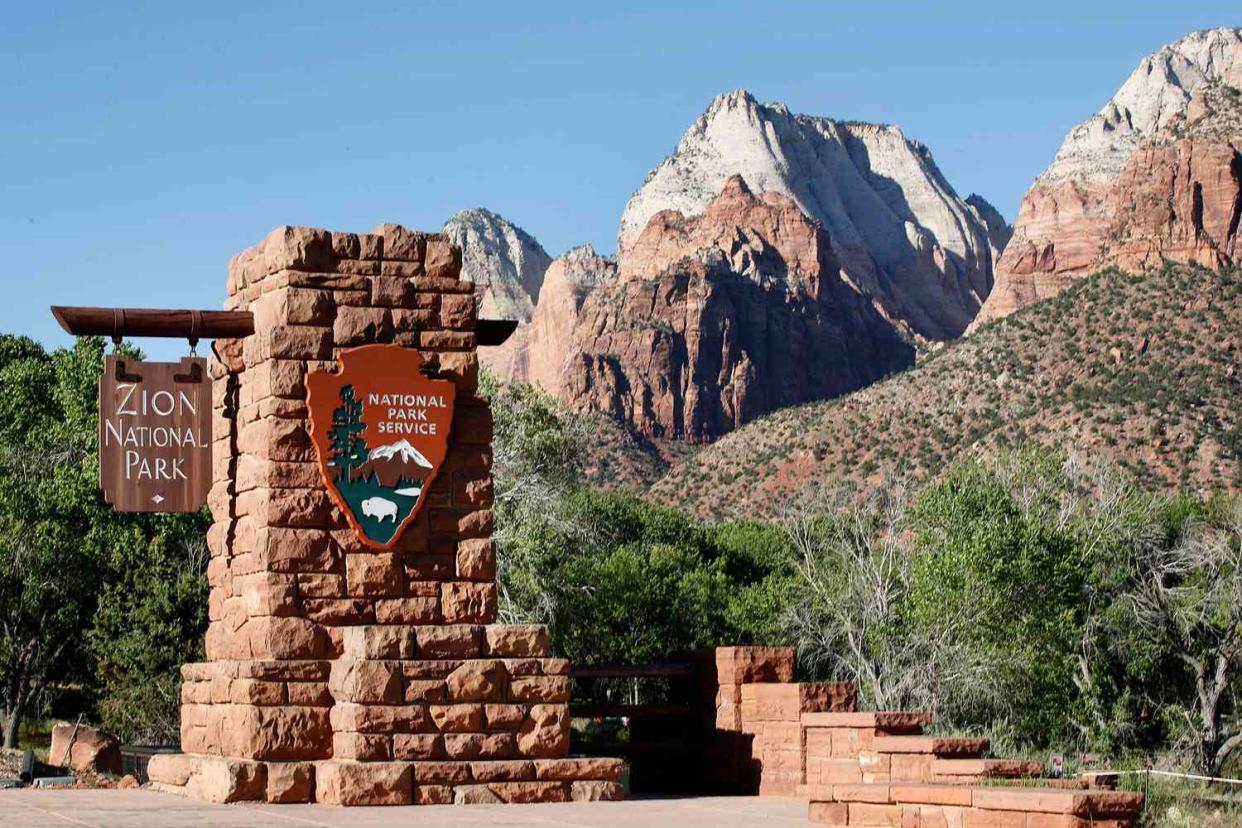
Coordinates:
[477,680]
[828,813]
[417,746]
[433,795]
[230,780]
[365,747]
[412,320]
[288,342]
[293,306]
[540,689]
[279,637]
[363,783]
[289,782]
[321,585]
[429,567]
[545,732]
[379,718]
[309,693]
[297,248]
[749,665]
[504,716]
[527,792]
[457,718]
[442,772]
[467,602]
[407,610]
[254,691]
[361,326]
[372,641]
[275,378]
[424,690]
[167,768]
[580,768]
[373,574]
[449,641]
[392,291]
[517,640]
[400,244]
[502,770]
[462,367]
[374,682]
[85,749]
[442,258]
[474,795]
[480,745]
[596,791]
[270,733]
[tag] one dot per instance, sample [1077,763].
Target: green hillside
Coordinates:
[1140,368]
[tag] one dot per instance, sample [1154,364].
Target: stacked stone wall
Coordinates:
[335,672]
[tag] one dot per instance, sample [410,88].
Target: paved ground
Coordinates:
[139,808]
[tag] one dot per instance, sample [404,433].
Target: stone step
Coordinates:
[963,770]
[938,804]
[886,721]
[955,747]
[1079,803]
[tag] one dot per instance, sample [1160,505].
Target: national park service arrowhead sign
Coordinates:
[381,431]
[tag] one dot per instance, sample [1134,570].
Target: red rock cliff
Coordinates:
[710,321]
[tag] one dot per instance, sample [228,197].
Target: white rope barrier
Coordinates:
[1149,772]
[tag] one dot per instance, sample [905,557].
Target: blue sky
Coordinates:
[142,144]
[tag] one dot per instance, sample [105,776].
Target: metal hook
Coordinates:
[118,326]
[196,325]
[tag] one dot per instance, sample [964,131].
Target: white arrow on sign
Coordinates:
[157,498]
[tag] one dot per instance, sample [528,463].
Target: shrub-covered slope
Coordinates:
[1141,368]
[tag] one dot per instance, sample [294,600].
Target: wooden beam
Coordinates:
[179,324]
[209,324]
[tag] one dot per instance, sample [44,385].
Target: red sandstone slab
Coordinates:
[890,721]
[1051,801]
[987,768]
[935,745]
[580,768]
[879,794]
[931,794]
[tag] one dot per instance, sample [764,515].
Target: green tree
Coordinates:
[349,450]
[108,601]
[53,523]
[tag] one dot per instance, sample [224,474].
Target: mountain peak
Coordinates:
[1150,177]
[894,219]
[502,259]
[1156,96]
[401,451]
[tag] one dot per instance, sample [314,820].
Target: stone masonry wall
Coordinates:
[337,673]
[757,740]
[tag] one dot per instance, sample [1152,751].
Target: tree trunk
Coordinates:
[11,726]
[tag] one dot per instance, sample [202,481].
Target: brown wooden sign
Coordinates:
[381,431]
[155,434]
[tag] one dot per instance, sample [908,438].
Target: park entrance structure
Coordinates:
[336,671]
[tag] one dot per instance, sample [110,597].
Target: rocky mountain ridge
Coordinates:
[900,231]
[506,263]
[732,294]
[709,321]
[1155,175]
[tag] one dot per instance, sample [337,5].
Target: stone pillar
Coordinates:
[336,673]
[755,718]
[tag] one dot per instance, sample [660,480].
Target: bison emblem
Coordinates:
[379,508]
